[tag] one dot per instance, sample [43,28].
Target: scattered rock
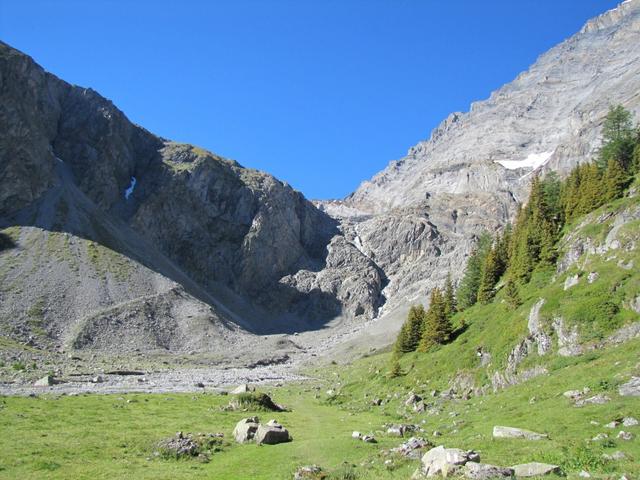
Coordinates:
[356,435]
[535,469]
[369,439]
[244,388]
[622,435]
[245,429]
[309,472]
[511,432]
[484,471]
[617,455]
[599,437]
[592,277]
[598,399]
[584,474]
[446,461]
[45,381]
[412,399]
[199,384]
[613,424]
[631,388]
[272,433]
[412,447]
[199,445]
[97,379]
[629,422]
[571,281]
[376,402]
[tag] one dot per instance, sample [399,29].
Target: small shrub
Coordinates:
[19,366]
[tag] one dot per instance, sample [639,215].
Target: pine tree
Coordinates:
[615,180]
[411,331]
[618,140]
[512,295]
[437,326]
[395,370]
[450,304]
[503,248]
[490,276]
[467,294]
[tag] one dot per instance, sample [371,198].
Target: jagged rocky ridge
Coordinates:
[246,252]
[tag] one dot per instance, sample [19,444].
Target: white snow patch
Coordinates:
[129,191]
[533,161]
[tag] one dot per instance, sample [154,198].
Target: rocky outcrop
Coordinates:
[535,469]
[441,461]
[272,433]
[511,432]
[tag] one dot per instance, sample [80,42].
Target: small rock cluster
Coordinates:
[181,445]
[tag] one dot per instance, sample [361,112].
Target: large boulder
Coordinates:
[245,430]
[272,433]
[535,469]
[244,388]
[511,432]
[484,471]
[446,461]
[45,381]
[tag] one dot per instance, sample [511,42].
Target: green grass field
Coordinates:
[112,436]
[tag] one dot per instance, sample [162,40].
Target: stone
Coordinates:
[412,447]
[45,381]
[446,461]
[246,429]
[511,432]
[483,471]
[309,472]
[535,469]
[613,424]
[571,281]
[600,437]
[244,388]
[615,456]
[369,439]
[584,474]
[397,430]
[97,379]
[630,388]
[356,435]
[412,399]
[199,384]
[598,399]
[622,435]
[573,394]
[629,422]
[272,433]
[592,277]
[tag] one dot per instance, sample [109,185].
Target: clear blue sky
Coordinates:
[322,94]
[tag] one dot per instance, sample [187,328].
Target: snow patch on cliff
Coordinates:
[533,161]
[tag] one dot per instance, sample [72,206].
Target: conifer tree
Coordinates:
[450,303]
[615,180]
[512,295]
[437,328]
[490,276]
[411,331]
[618,138]
[467,294]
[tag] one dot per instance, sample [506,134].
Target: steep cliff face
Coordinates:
[232,239]
[419,217]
